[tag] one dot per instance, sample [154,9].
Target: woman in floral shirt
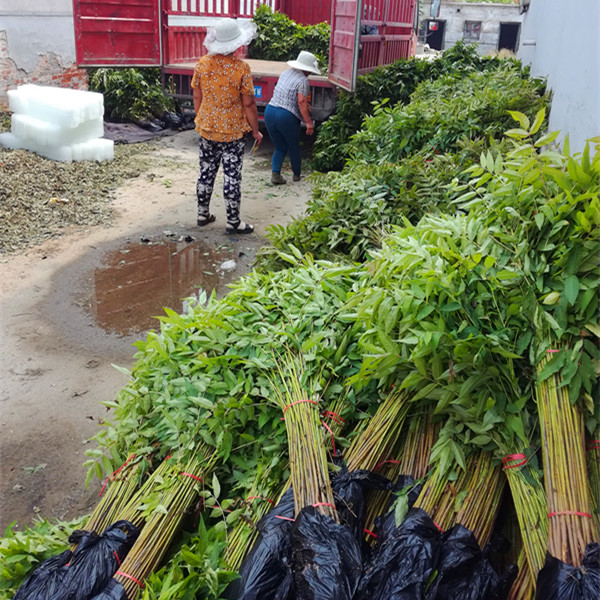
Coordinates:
[225,111]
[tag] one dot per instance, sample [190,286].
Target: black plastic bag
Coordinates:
[87,570]
[326,558]
[96,559]
[46,580]
[350,493]
[113,591]
[465,571]
[559,581]
[265,573]
[403,559]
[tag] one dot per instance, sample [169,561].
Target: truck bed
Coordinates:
[265,74]
[259,68]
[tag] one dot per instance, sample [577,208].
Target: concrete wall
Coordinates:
[37,45]
[562,44]
[490,15]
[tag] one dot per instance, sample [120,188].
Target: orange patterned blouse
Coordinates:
[222,80]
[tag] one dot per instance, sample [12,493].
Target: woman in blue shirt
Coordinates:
[287,108]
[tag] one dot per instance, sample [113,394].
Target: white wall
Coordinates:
[37,43]
[490,15]
[561,42]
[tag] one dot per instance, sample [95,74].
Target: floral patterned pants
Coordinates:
[211,155]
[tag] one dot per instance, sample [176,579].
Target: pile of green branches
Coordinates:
[395,84]
[280,38]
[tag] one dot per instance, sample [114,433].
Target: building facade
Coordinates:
[37,45]
[491,26]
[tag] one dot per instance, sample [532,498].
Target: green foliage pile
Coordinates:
[401,163]
[444,112]
[280,38]
[394,83]
[454,311]
[130,94]
[350,211]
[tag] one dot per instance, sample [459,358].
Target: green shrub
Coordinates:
[444,111]
[403,161]
[131,94]
[395,82]
[280,38]
[350,210]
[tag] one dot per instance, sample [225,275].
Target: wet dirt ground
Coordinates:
[71,309]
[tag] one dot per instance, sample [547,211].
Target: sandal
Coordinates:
[239,227]
[201,222]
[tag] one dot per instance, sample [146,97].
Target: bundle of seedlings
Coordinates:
[308,460]
[471,497]
[163,513]
[116,492]
[412,459]
[571,524]
[377,441]
[266,487]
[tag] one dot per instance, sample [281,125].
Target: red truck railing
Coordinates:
[387,33]
[184,30]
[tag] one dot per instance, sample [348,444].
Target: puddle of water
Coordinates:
[138,280]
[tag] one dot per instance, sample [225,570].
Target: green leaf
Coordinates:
[571,289]
[539,120]
[401,509]
[547,139]
[521,119]
[216,486]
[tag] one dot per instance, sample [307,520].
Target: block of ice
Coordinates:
[98,149]
[49,134]
[11,141]
[62,106]
[16,101]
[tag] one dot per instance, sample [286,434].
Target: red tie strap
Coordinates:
[392,461]
[438,527]
[299,402]
[332,436]
[115,473]
[260,498]
[520,458]
[192,476]
[594,445]
[569,512]
[334,416]
[370,533]
[128,576]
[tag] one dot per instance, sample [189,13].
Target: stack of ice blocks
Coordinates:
[58,123]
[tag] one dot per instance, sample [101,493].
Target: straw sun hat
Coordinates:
[306,61]
[228,35]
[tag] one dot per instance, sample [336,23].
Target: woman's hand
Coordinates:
[310,128]
[258,136]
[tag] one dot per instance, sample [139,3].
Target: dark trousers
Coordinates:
[284,131]
[211,155]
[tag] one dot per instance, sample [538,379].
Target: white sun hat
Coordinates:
[306,61]
[228,35]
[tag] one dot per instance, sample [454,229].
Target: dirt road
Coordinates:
[60,342]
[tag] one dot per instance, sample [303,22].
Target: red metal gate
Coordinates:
[117,32]
[367,34]
[344,47]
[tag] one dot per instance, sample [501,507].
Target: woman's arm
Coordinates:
[197,99]
[249,104]
[305,112]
